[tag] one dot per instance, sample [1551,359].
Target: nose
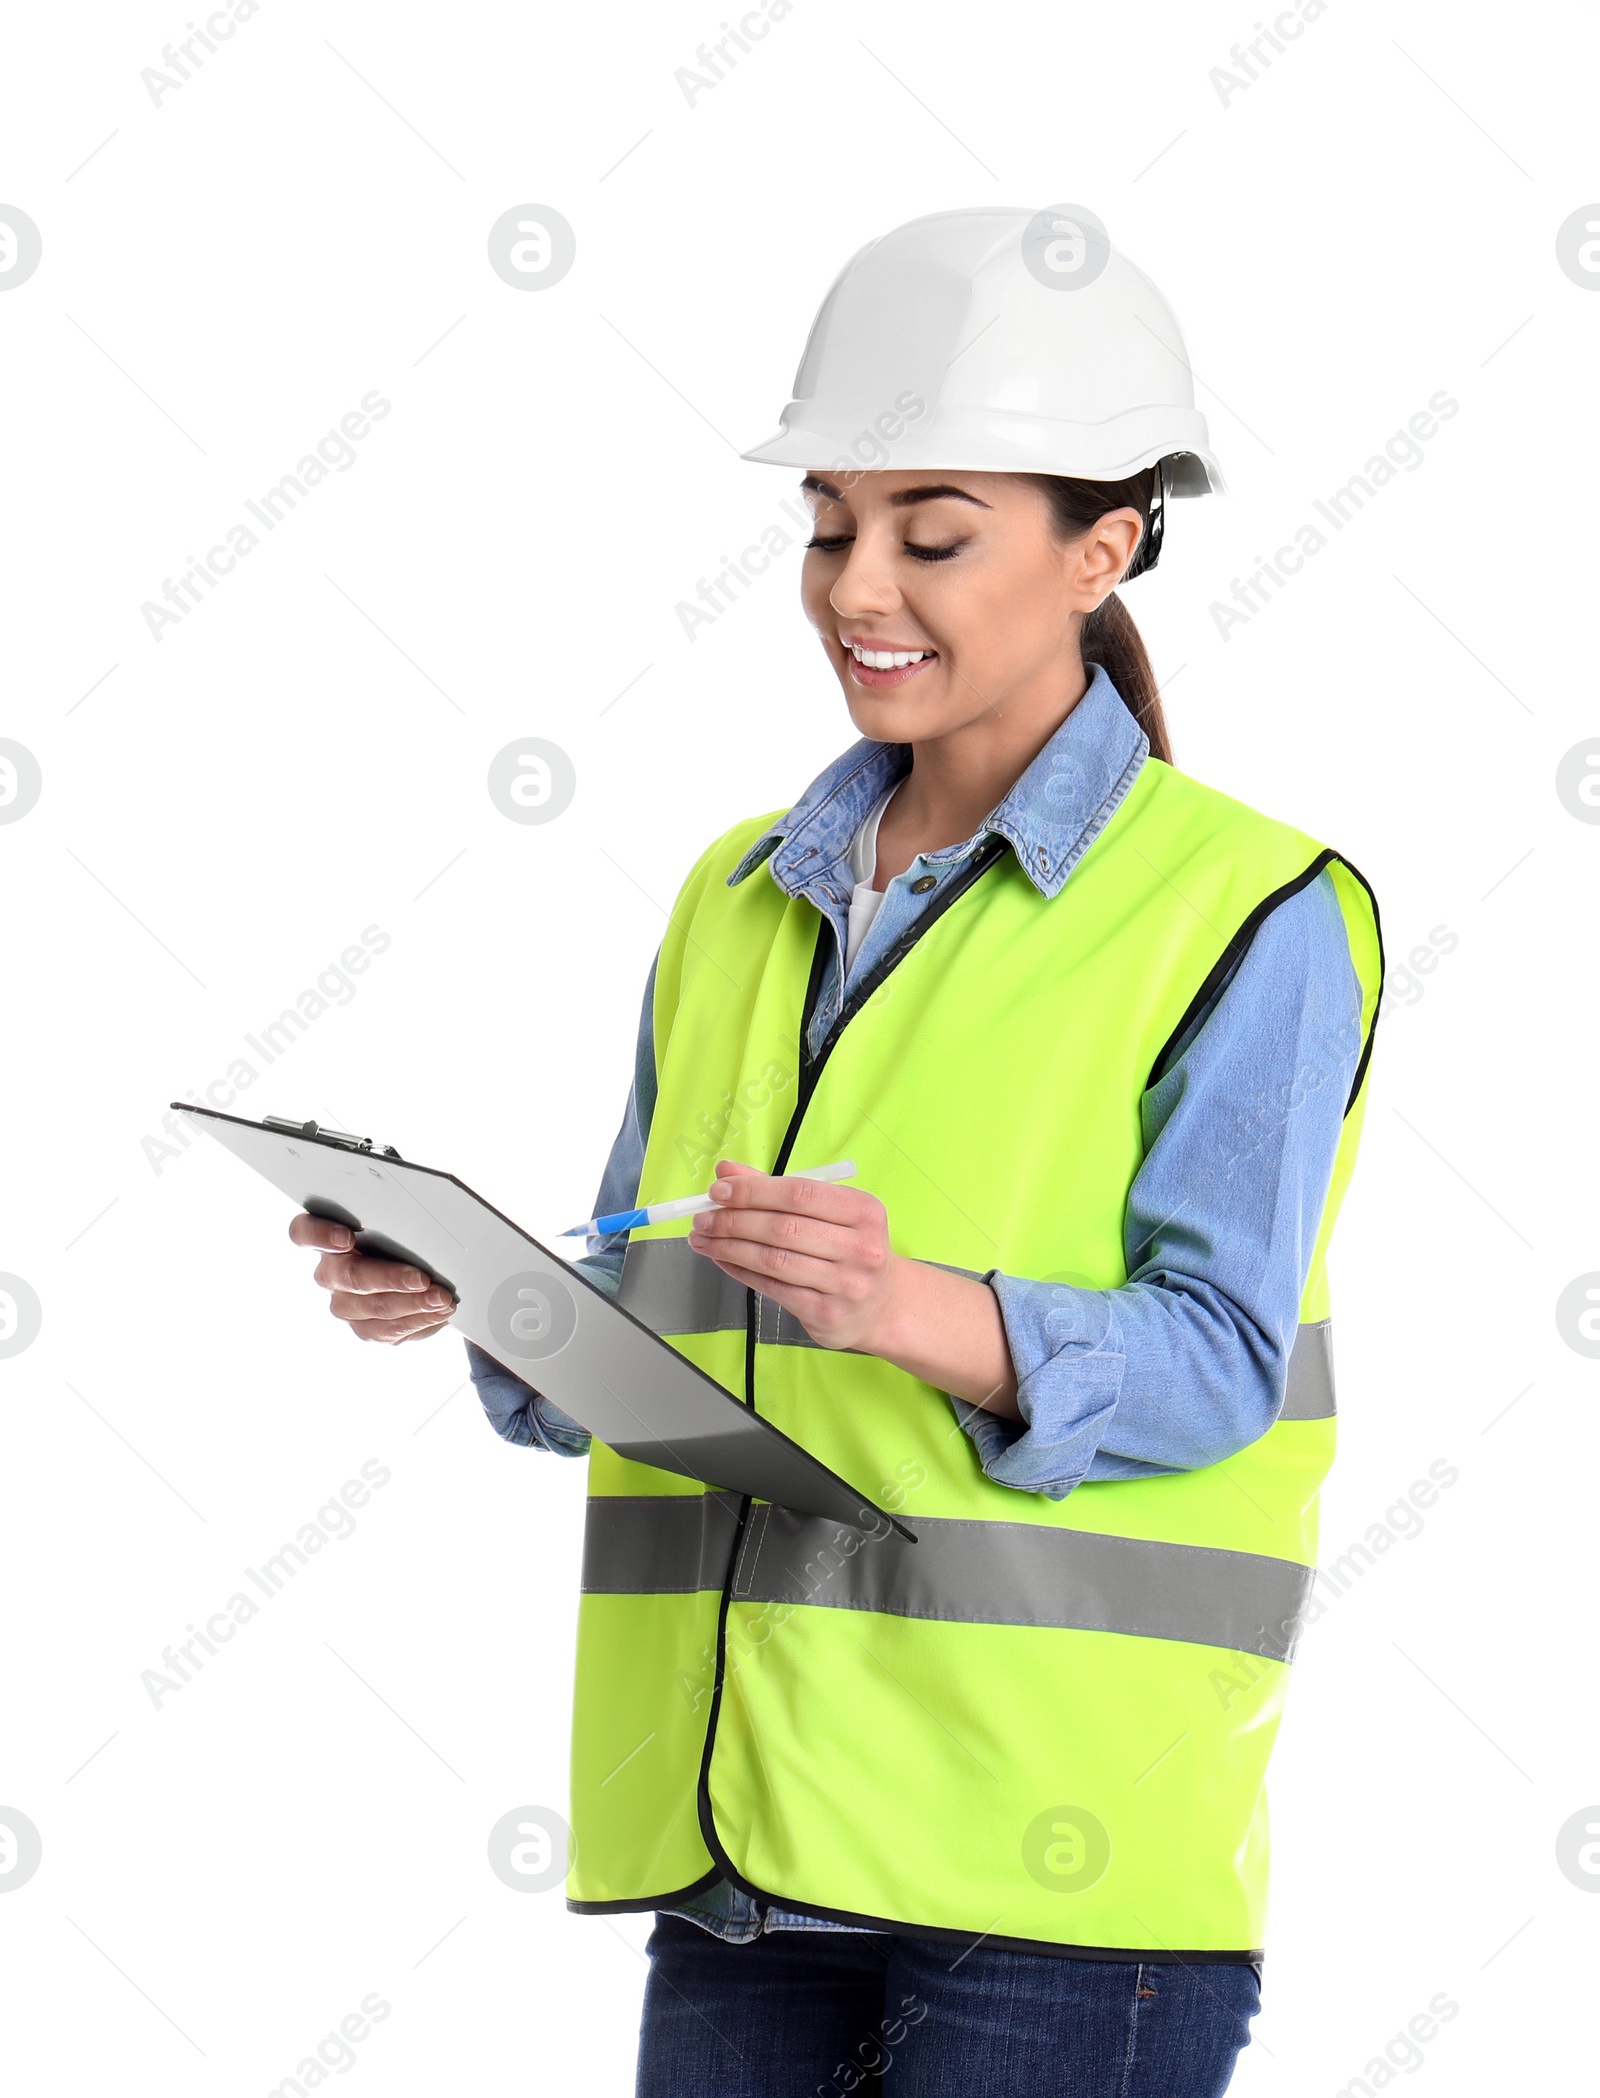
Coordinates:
[865,588]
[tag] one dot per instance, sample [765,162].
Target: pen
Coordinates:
[692,1205]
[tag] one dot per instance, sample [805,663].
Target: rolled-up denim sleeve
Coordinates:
[1184,1364]
[515,1410]
[519,1413]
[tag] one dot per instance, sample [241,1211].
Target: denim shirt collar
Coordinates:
[1050,817]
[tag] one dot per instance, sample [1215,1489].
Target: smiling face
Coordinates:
[960,580]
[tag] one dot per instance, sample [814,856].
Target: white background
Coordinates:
[224,810]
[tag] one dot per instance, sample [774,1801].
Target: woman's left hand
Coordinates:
[820,1250]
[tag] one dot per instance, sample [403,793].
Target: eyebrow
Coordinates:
[903,498]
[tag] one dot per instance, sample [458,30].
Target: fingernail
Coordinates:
[721,1189]
[343,1242]
[415,1279]
[437,1298]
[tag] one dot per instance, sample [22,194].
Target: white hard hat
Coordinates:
[1001,340]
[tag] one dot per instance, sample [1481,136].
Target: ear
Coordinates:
[1108,548]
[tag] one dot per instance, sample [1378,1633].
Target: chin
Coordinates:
[876,705]
[887,720]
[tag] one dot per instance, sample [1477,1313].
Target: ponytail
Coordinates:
[1110,637]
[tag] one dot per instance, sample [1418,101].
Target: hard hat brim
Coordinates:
[997,442]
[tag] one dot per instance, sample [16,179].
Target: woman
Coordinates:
[986,1808]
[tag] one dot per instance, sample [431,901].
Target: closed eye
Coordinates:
[917,553]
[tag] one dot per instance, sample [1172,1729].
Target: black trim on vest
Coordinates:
[651,1901]
[1377,929]
[819,964]
[1049,1946]
[810,1070]
[702,1885]
[1233,953]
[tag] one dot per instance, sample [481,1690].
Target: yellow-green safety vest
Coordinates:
[1045,1723]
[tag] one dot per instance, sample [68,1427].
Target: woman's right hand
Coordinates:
[382,1300]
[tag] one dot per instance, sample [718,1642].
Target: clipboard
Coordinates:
[541,1318]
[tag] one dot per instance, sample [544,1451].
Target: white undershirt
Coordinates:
[864,899]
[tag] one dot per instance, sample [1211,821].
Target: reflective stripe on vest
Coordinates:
[959,1571]
[673,1289]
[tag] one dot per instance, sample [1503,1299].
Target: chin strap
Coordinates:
[1148,551]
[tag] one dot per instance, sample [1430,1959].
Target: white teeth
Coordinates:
[887,659]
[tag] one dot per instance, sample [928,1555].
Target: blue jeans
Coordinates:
[825,2014]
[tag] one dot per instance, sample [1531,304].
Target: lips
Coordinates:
[877,680]
[884,672]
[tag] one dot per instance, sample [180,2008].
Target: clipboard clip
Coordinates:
[330,1136]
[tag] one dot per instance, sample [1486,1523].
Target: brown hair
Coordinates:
[1110,637]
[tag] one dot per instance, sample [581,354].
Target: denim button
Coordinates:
[923,884]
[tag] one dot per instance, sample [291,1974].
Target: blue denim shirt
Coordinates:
[1184,1364]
